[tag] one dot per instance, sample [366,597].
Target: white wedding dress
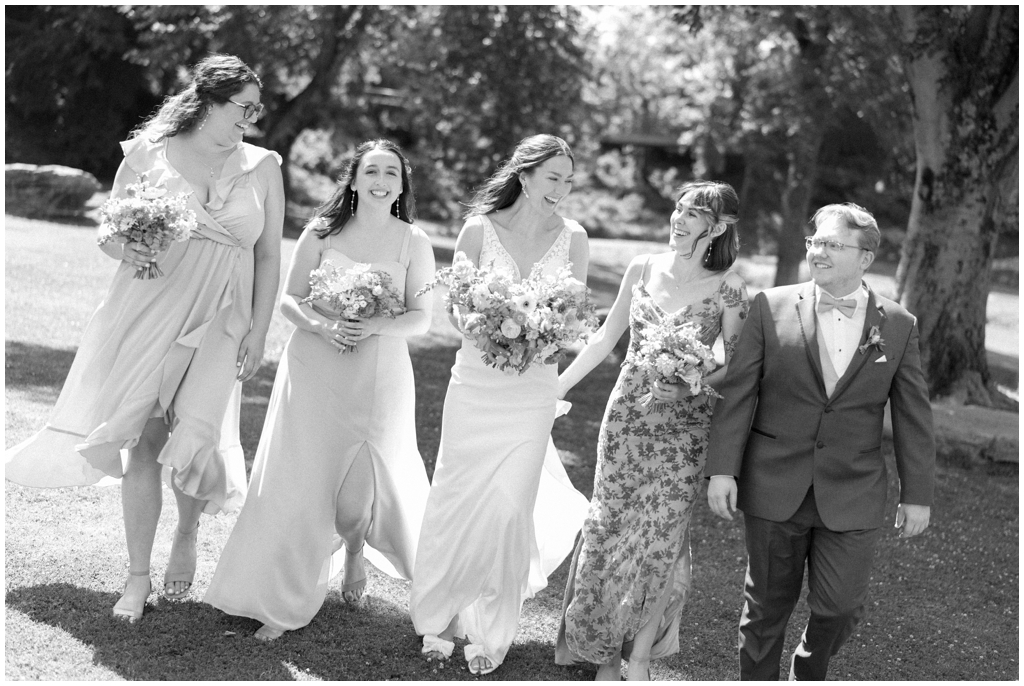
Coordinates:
[502,513]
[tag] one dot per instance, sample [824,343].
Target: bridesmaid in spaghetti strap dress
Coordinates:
[156,381]
[337,466]
[630,575]
[502,514]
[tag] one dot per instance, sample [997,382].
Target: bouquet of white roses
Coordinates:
[357,291]
[674,354]
[517,324]
[148,215]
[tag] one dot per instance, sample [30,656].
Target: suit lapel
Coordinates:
[809,330]
[874,316]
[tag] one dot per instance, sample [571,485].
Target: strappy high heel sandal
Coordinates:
[186,575]
[352,591]
[128,613]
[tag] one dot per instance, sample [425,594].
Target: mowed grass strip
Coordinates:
[943,606]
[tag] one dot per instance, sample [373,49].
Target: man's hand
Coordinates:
[912,518]
[722,496]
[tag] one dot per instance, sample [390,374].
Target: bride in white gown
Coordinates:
[501,514]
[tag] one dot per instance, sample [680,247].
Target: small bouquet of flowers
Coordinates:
[356,291]
[674,354]
[148,215]
[513,324]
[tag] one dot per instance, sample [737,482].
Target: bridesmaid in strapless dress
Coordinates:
[630,575]
[155,382]
[502,513]
[337,465]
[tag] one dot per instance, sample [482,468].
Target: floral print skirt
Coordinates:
[635,538]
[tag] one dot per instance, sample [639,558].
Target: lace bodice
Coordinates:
[494,256]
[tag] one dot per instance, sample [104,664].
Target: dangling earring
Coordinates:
[707,255]
[394,207]
[524,189]
[352,202]
[203,122]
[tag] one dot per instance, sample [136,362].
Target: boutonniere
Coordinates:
[874,339]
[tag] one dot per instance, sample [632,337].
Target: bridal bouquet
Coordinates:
[513,324]
[357,291]
[674,354]
[148,215]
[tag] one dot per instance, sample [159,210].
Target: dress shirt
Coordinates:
[842,333]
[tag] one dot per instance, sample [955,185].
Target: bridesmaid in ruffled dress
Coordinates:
[337,461]
[156,380]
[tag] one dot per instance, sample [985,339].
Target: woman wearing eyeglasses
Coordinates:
[159,369]
[630,575]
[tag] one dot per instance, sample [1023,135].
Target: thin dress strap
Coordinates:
[403,257]
[643,272]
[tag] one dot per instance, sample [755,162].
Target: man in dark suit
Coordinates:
[796,444]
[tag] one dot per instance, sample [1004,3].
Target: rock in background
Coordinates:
[49,190]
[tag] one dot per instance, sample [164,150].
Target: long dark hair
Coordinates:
[336,212]
[502,189]
[215,80]
[720,202]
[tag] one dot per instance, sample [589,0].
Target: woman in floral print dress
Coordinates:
[630,575]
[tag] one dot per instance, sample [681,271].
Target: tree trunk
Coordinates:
[801,177]
[339,41]
[945,266]
[811,102]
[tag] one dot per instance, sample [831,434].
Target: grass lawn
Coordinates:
[943,606]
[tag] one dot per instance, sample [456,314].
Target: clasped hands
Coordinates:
[665,392]
[345,333]
[137,254]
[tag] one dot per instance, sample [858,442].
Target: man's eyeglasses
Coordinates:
[831,246]
[249,109]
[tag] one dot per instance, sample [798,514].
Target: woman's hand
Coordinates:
[250,355]
[332,333]
[670,392]
[361,327]
[138,254]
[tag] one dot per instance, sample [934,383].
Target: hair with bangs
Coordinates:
[720,202]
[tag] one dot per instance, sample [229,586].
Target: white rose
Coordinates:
[510,329]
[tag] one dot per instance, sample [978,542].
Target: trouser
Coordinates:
[838,569]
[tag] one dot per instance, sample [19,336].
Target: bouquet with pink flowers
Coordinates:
[674,354]
[148,215]
[352,292]
[513,324]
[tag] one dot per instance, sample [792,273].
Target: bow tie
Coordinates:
[826,302]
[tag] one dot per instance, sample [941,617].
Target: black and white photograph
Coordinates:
[511,342]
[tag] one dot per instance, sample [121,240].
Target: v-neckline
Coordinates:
[665,312]
[216,180]
[519,272]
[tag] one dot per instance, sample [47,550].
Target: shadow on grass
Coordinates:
[191,640]
[28,365]
[194,641]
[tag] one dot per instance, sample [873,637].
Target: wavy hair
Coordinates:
[336,212]
[502,189]
[720,202]
[856,218]
[214,80]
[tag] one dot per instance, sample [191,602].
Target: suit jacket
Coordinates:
[778,433]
